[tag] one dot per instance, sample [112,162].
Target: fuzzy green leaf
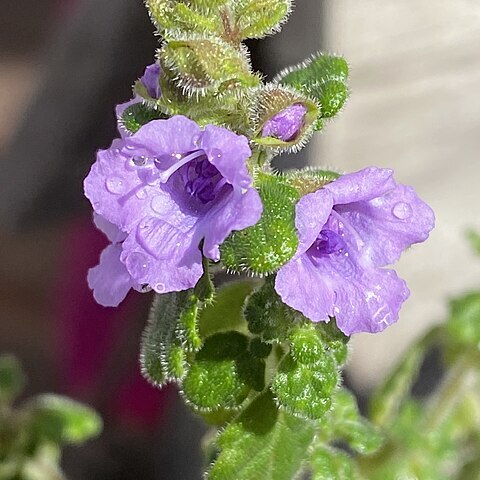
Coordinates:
[330,463]
[258,18]
[348,425]
[268,245]
[170,332]
[63,420]
[225,313]
[12,378]
[267,315]
[223,373]
[324,78]
[262,444]
[200,64]
[306,390]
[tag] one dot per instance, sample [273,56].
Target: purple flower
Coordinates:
[347,231]
[168,187]
[287,124]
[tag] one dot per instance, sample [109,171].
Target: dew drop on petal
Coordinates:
[159,288]
[402,210]
[141,194]
[216,153]
[139,160]
[161,204]
[138,265]
[115,185]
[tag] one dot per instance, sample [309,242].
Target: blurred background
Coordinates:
[65,64]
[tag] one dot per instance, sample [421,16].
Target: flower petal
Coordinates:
[362,299]
[111,231]
[389,224]
[229,153]
[177,134]
[365,184]
[110,280]
[235,212]
[179,270]
[312,212]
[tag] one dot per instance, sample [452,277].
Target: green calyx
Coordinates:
[139,114]
[310,180]
[262,249]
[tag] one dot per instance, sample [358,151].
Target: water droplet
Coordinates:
[146,288]
[216,153]
[139,160]
[159,288]
[115,185]
[402,210]
[178,156]
[141,194]
[130,147]
[138,265]
[161,204]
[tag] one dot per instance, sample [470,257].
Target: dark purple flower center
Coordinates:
[327,242]
[200,179]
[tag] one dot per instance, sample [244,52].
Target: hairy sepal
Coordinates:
[309,180]
[206,64]
[139,114]
[258,18]
[323,78]
[264,248]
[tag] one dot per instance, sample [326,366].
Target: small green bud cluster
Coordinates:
[33,433]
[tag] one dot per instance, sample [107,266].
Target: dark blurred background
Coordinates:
[64,65]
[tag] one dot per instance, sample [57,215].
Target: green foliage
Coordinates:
[202,64]
[226,312]
[223,373]
[331,463]
[307,376]
[268,245]
[62,420]
[173,16]
[267,316]
[12,378]
[171,332]
[137,115]
[323,78]
[258,18]
[262,444]
[464,322]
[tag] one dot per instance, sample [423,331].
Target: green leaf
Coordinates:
[348,425]
[170,332]
[258,18]
[323,78]
[267,315]
[225,313]
[306,390]
[223,373]
[330,463]
[272,242]
[60,419]
[12,378]
[262,444]
[200,64]
[137,115]
[464,322]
